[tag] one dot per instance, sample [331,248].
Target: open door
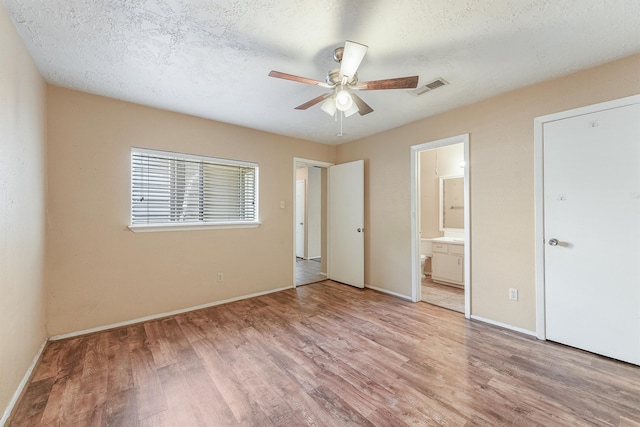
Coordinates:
[346,223]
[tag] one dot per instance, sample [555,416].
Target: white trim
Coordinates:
[538,169]
[580,111]
[299,162]
[504,325]
[467,231]
[188,226]
[161,315]
[388,292]
[22,385]
[416,282]
[538,189]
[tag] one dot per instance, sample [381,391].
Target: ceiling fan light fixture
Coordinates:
[352,110]
[344,101]
[329,106]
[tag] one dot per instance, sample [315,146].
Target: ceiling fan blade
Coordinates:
[285,76]
[352,56]
[399,83]
[313,102]
[363,107]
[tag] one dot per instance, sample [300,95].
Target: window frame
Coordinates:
[192,225]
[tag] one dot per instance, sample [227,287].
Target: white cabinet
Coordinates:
[448,263]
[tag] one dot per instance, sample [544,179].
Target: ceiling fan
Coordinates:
[343,83]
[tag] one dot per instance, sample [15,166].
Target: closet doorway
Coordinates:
[440,223]
[310,229]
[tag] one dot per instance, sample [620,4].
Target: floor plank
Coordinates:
[324,354]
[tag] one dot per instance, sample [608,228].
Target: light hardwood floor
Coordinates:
[308,271]
[324,354]
[442,295]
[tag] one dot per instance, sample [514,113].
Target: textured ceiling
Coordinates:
[210,58]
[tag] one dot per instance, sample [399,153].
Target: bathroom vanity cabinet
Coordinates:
[448,263]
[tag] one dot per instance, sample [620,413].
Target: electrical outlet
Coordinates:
[513,294]
[220,277]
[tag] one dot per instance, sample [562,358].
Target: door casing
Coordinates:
[416,281]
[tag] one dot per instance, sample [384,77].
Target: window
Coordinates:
[180,190]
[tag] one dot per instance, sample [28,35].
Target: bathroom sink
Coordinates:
[448,239]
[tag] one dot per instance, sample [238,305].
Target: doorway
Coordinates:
[342,220]
[438,168]
[310,222]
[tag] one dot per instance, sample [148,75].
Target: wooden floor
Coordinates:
[308,271]
[324,355]
[442,295]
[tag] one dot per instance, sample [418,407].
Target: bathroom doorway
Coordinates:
[440,223]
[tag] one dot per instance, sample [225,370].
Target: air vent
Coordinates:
[429,87]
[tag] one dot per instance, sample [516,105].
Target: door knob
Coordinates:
[359,230]
[302,223]
[553,242]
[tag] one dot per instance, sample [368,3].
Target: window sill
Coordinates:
[188,227]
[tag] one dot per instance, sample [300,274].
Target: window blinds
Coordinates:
[172,188]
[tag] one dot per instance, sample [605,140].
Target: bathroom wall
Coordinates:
[22,211]
[434,164]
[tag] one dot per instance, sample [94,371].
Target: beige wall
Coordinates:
[501,179]
[435,164]
[22,210]
[99,272]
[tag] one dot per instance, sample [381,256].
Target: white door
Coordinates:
[301,202]
[346,223]
[592,232]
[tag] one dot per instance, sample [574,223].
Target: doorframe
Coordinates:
[538,167]
[416,279]
[297,163]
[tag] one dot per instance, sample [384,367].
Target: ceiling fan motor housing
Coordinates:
[337,54]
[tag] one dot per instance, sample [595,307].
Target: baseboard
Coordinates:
[503,325]
[161,315]
[21,386]
[386,291]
